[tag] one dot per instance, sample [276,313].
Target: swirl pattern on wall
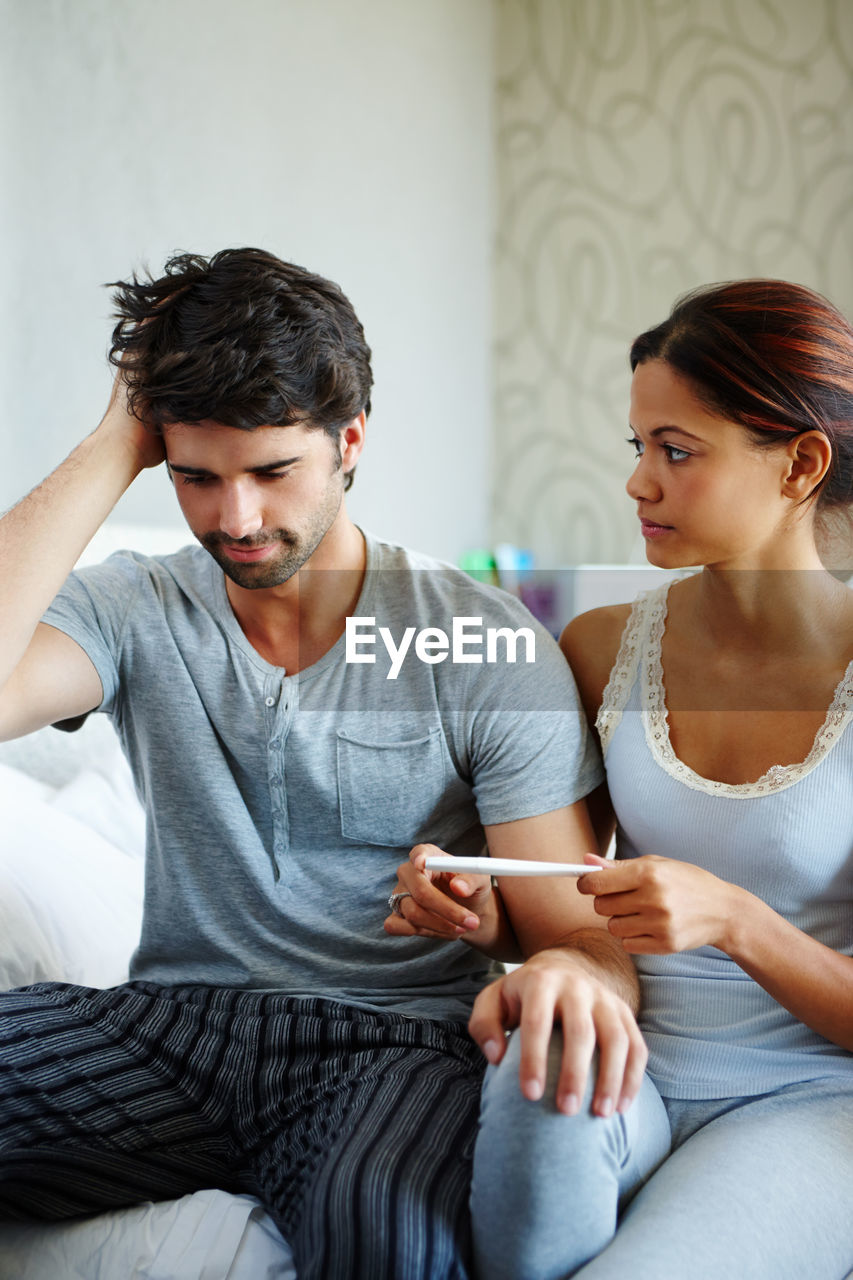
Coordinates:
[645,147]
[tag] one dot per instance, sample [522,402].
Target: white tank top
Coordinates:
[712,1031]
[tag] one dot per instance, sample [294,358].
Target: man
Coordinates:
[290,746]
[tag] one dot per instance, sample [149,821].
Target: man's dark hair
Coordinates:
[243,339]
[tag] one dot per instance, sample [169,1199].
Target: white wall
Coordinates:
[351,136]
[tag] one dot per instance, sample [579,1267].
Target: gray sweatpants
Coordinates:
[756,1188]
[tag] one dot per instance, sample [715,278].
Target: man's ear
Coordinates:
[351,441]
[809,459]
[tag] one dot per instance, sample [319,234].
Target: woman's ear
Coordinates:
[809,458]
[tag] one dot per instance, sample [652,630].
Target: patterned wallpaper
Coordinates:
[644,147]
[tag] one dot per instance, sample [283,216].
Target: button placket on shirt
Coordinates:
[278,714]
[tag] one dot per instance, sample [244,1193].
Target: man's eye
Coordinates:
[638,445]
[195,479]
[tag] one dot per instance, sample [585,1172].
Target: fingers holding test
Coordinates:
[433,907]
[410,919]
[615,888]
[444,887]
[605,876]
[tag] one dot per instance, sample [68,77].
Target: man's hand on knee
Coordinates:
[556,988]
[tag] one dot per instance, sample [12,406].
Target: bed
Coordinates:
[71,852]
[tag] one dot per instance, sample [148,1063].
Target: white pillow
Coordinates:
[72,901]
[57,757]
[105,799]
[28,951]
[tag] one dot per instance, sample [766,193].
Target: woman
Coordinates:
[723,704]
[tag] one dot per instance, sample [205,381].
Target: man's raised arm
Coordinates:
[44,675]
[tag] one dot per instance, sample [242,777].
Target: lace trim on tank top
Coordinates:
[641,647]
[623,673]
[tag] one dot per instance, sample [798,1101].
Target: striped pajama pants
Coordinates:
[355,1129]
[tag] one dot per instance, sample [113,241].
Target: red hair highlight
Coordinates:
[773,356]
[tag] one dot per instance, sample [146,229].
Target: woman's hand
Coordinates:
[445,905]
[660,905]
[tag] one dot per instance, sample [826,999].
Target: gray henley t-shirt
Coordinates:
[279,806]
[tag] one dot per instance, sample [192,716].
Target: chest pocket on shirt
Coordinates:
[391,793]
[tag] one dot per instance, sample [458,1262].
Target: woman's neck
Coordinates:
[769,610]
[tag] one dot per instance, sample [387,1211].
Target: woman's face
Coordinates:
[705,493]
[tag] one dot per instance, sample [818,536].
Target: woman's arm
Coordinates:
[590,644]
[812,981]
[657,906]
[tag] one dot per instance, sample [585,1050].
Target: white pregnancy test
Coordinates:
[508,867]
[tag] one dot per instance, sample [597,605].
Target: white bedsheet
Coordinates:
[207,1236]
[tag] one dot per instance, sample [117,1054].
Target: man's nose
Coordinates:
[240,513]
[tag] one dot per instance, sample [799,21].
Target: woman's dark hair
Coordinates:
[243,339]
[775,357]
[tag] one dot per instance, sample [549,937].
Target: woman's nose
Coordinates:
[643,484]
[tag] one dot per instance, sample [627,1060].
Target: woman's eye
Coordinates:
[673,453]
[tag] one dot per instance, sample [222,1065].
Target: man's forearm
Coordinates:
[604,958]
[42,537]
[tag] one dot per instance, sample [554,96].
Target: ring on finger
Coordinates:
[395,900]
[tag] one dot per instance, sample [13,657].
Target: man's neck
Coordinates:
[295,624]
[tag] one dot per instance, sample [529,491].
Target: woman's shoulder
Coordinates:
[596,627]
[590,643]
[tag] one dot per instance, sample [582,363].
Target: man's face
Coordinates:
[259,501]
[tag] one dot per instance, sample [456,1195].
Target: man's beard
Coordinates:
[293,551]
[274,569]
